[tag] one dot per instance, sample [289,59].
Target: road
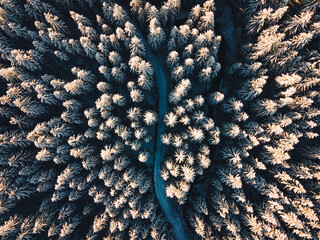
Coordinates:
[170,207]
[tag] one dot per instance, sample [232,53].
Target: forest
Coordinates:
[159,119]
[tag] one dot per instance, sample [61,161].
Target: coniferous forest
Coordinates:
[169,119]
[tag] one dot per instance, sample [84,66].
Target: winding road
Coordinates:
[170,207]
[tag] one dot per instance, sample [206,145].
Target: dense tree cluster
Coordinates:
[193,65]
[83,120]
[264,180]
[77,119]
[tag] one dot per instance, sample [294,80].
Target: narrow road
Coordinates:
[170,207]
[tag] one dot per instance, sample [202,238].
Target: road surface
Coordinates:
[170,207]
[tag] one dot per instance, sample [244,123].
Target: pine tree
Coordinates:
[157,35]
[170,119]
[137,47]
[150,117]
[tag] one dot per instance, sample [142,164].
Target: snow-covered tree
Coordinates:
[150,117]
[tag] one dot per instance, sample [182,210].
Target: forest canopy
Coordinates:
[167,119]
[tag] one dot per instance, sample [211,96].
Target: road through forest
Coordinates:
[170,207]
